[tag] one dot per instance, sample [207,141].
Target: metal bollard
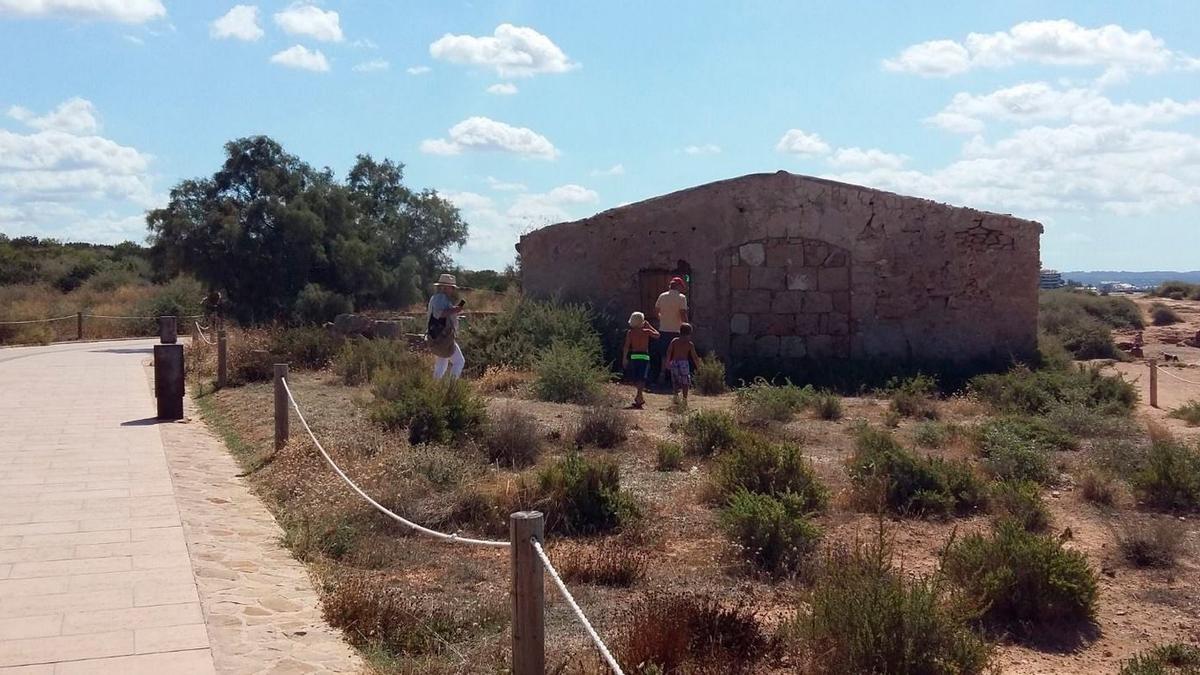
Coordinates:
[528,594]
[281,406]
[167,330]
[222,359]
[1153,383]
[168,381]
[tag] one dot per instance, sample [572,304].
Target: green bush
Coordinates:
[512,438]
[178,297]
[602,427]
[762,467]
[1016,449]
[1023,580]
[883,470]
[866,616]
[828,406]
[761,402]
[1020,502]
[1037,392]
[360,358]
[1169,477]
[584,496]
[1161,315]
[310,348]
[317,305]
[568,373]
[930,434]
[521,332]
[707,432]
[709,378]
[774,533]
[669,456]
[1083,322]
[1177,290]
[1169,659]
[1188,412]
[913,397]
[433,411]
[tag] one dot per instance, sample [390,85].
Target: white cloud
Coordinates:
[614,170]
[74,116]
[373,66]
[505,186]
[1033,102]
[1056,42]
[512,51]
[311,21]
[123,11]
[467,201]
[482,133]
[364,43]
[706,149]
[299,56]
[857,158]
[495,227]
[503,89]
[134,39]
[53,177]
[239,23]
[797,142]
[417,70]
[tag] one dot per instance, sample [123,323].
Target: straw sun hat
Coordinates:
[447,280]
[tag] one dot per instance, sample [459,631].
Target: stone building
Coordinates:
[791,267]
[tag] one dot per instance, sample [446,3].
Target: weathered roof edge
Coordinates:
[760,176]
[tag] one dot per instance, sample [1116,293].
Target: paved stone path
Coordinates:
[130,547]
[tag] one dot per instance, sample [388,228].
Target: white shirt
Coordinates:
[670,306]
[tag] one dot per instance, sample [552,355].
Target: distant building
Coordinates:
[1050,279]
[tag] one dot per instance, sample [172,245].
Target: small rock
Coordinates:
[1108,653]
[1120,612]
[1054,494]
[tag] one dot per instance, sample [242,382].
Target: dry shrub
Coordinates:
[512,438]
[503,380]
[1098,486]
[1188,412]
[669,456]
[602,427]
[1169,659]
[1157,543]
[710,376]
[610,563]
[690,633]
[374,611]
[913,397]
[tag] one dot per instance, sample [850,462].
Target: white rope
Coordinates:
[13,323]
[1168,372]
[382,509]
[145,318]
[201,332]
[587,625]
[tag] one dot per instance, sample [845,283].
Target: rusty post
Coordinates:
[281,406]
[1153,382]
[528,593]
[168,330]
[222,359]
[78,325]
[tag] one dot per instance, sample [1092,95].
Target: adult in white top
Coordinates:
[671,308]
[444,311]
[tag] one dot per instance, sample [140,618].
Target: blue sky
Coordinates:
[1083,115]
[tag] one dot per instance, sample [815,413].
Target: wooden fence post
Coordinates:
[222,359]
[528,629]
[78,325]
[281,406]
[1153,382]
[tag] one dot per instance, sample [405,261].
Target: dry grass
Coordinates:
[690,633]
[1157,543]
[606,563]
[503,380]
[28,302]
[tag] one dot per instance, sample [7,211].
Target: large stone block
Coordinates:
[773,324]
[792,347]
[808,324]
[820,346]
[752,254]
[353,324]
[833,279]
[841,301]
[801,279]
[788,302]
[818,303]
[389,330]
[785,255]
[815,253]
[739,324]
[751,301]
[835,324]
[769,278]
[739,277]
[767,346]
[742,345]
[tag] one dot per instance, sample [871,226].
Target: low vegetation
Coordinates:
[709,378]
[681,632]
[1154,543]
[612,564]
[511,438]
[706,432]
[866,616]
[1019,502]
[762,402]
[359,359]
[1083,322]
[774,533]
[1169,659]
[764,467]
[1162,315]
[1188,412]
[601,427]
[885,474]
[1023,580]
[568,373]
[1038,392]
[1015,449]
[1169,477]
[913,397]
[432,411]
[582,495]
[1177,290]
[668,456]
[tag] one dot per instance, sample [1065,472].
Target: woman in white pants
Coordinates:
[443,327]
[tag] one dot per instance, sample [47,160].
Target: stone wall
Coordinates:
[787,266]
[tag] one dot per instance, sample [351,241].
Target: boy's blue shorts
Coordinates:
[638,370]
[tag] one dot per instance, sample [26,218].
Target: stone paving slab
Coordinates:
[113,557]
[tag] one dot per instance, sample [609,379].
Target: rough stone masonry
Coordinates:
[791,267]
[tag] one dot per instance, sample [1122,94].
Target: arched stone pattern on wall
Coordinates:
[787,298]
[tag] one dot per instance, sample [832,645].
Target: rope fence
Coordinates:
[200,332]
[1168,372]
[528,611]
[57,318]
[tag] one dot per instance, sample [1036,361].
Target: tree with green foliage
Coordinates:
[267,225]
